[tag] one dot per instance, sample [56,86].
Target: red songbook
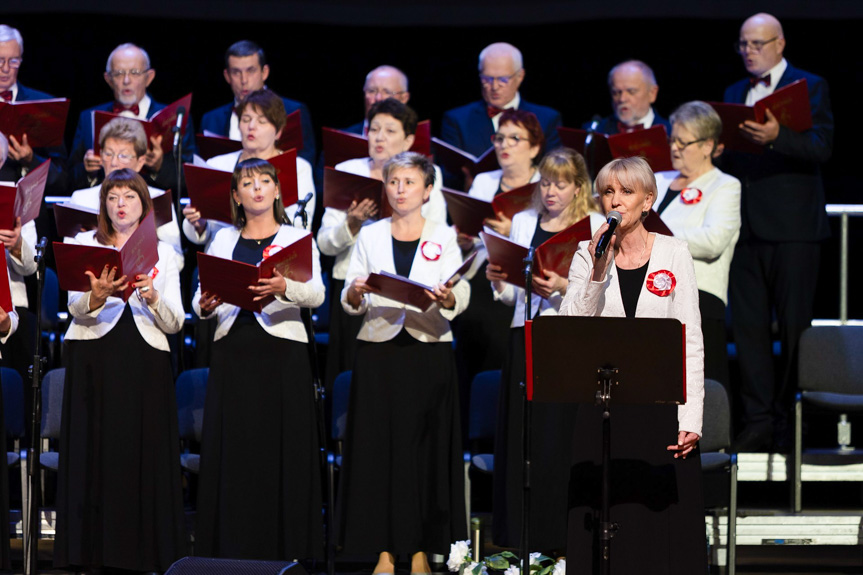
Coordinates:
[24,199]
[341,189]
[138,256]
[230,279]
[409,292]
[340,146]
[292,133]
[732,116]
[286,170]
[652,144]
[577,140]
[209,192]
[422,139]
[72,219]
[5,288]
[163,207]
[654,223]
[210,145]
[44,121]
[454,159]
[555,254]
[469,213]
[161,123]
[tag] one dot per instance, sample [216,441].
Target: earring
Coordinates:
[238,204]
[277,197]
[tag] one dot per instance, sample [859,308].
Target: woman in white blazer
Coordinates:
[392,130]
[119,497]
[656,471]
[701,205]
[403,479]
[259,451]
[563,197]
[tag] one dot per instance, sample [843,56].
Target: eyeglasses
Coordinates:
[14,63]
[511,141]
[382,92]
[489,80]
[754,46]
[122,73]
[681,145]
[122,158]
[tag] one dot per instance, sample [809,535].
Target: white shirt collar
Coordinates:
[14,89]
[514,103]
[143,109]
[760,91]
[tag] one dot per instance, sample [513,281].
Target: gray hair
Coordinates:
[514,53]
[9,33]
[128,130]
[124,47]
[699,118]
[646,71]
[409,160]
[387,68]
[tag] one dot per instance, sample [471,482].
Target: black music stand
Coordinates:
[642,373]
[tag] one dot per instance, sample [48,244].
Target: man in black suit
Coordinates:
[775,265]
[633,89]
[22,157]
[246,70]
[129,74]
[501,73]
[381,83]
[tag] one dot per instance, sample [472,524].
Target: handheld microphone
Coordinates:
[301,205]
[605,239]
[181,113]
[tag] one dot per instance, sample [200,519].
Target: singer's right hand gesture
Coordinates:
[600,266]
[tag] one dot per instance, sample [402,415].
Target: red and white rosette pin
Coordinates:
[431,251]
[271,250]
[690,196]
[661,283]
[154,272]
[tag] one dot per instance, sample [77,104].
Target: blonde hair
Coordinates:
[632,173]
[568,165]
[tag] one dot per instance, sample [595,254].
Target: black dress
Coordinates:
[119,493]
[656,500]
[402,486]
[259,493]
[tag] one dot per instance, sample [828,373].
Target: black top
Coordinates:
[540,236]
[249,252]
[403,256]
[670,196]
[630,287]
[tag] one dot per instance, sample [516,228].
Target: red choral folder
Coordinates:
[162,123]
[790,104]
[653,223]
[230,279]
[555,254]
[454,159]
[138,256]
[651,143]
[469,213]
[341,189]
[340,146]
[24,199]
[409,292]
[422,139]
[44,121]
[209,192]
[286,170]
[210,145]
[5,288]
[72,219]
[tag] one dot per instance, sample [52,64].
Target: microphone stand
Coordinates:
[178,157]
[590,147]
[526,423]
[30,520]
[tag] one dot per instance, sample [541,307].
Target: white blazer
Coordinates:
[153,322]
[589,298]
[710,227]
[523,228]
[384,318]
[281,317]
[20,268]
[168,232]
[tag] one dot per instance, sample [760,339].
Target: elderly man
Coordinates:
[246,70]
[381,83]
[501,72]
[775,265]
[633,92]
[21,156]
[129,74]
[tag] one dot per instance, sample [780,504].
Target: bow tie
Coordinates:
[624,129]
[493,111]
[6,95]
[753,81]
[118,107]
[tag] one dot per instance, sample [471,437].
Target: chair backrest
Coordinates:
[50,299]
[341,394]
[831,359]
[717,417]
[13,402]
[191,394]
[484,393]
[52,402]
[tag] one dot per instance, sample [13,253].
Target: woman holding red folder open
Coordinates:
[119,498]
[562,198]
[259,494]
[402,488]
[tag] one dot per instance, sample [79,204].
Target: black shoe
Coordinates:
[753,439]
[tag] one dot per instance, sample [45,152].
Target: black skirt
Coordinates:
[119,494]
[551,440]
[402,486]
[343,335]
[259,494]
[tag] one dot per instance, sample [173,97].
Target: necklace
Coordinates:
[256,240]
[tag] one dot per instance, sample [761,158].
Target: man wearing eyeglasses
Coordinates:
[381,83]
[22,157]
[246,70]
[633,89]
[129,74]
[501,73]
[775,265]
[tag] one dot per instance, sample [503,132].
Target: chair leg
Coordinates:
[25,497]
[331,503]
[797,479]
[731,545]
[467,507]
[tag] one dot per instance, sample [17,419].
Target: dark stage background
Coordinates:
[320,52]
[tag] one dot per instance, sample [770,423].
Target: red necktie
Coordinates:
[493,111]
[118,107]
[753,81]
[624,129]
[6,95]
